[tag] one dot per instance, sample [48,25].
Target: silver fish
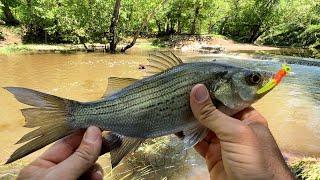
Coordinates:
[135,110]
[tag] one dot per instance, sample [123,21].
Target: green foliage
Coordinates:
[248,19]
[298,24]
[11,3]
[272,22]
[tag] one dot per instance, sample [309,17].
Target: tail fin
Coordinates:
[50,114]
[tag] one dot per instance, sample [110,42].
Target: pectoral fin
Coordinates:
[194,135]
[120,146]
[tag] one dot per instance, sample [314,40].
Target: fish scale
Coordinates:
[169,90]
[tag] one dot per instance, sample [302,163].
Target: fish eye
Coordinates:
[254,78]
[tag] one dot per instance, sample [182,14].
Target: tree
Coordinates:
[113,26]
[294,22]
[247,20]
[8,16]
[143,25]
[197,7]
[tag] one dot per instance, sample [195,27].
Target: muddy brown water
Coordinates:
[292,109]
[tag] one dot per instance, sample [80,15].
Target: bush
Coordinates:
[311,36]
[292,35]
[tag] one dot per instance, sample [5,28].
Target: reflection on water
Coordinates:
[292,108]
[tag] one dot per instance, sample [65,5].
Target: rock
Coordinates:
[203,48]
[2,22]
[211,49]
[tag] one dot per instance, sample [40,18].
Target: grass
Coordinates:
[30,48]
[13,49]
[45,48]
[147,46]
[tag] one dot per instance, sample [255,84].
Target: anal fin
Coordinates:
[120,146]
[194,135]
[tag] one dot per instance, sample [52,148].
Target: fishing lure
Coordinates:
[285,69]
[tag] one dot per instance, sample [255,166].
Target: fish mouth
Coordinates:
[285,69]
[268,84]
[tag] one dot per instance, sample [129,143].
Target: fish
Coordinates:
[134,110]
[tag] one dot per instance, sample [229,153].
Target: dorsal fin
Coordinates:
[115,84]
[161,61]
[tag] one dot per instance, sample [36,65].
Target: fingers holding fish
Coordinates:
[203,146]
[213,155]
[250,114]
[225,127]
[62,149]
[84,156]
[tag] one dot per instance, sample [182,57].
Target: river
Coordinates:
[292,109]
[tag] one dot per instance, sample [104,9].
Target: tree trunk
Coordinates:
[9,18]
[255,33]
[128,25]
[167,26]
[145,22]
[30,14]
[222,26]
[179,28]
[179,24]
[172,27]
[194,22]
[113,27]
[159,26]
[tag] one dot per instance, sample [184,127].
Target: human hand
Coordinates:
[72,157]
[237,149]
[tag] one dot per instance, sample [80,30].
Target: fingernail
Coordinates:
[92,134]
[201,94]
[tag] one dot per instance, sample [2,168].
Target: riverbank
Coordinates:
[11,42]
[218,44]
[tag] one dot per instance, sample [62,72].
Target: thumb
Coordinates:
[225,127]
[84,157]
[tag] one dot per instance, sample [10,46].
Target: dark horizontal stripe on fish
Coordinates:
[143,90]
[125,107]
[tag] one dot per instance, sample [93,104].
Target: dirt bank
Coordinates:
[12,43]
[192,42]
[230,45]
[10,36]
